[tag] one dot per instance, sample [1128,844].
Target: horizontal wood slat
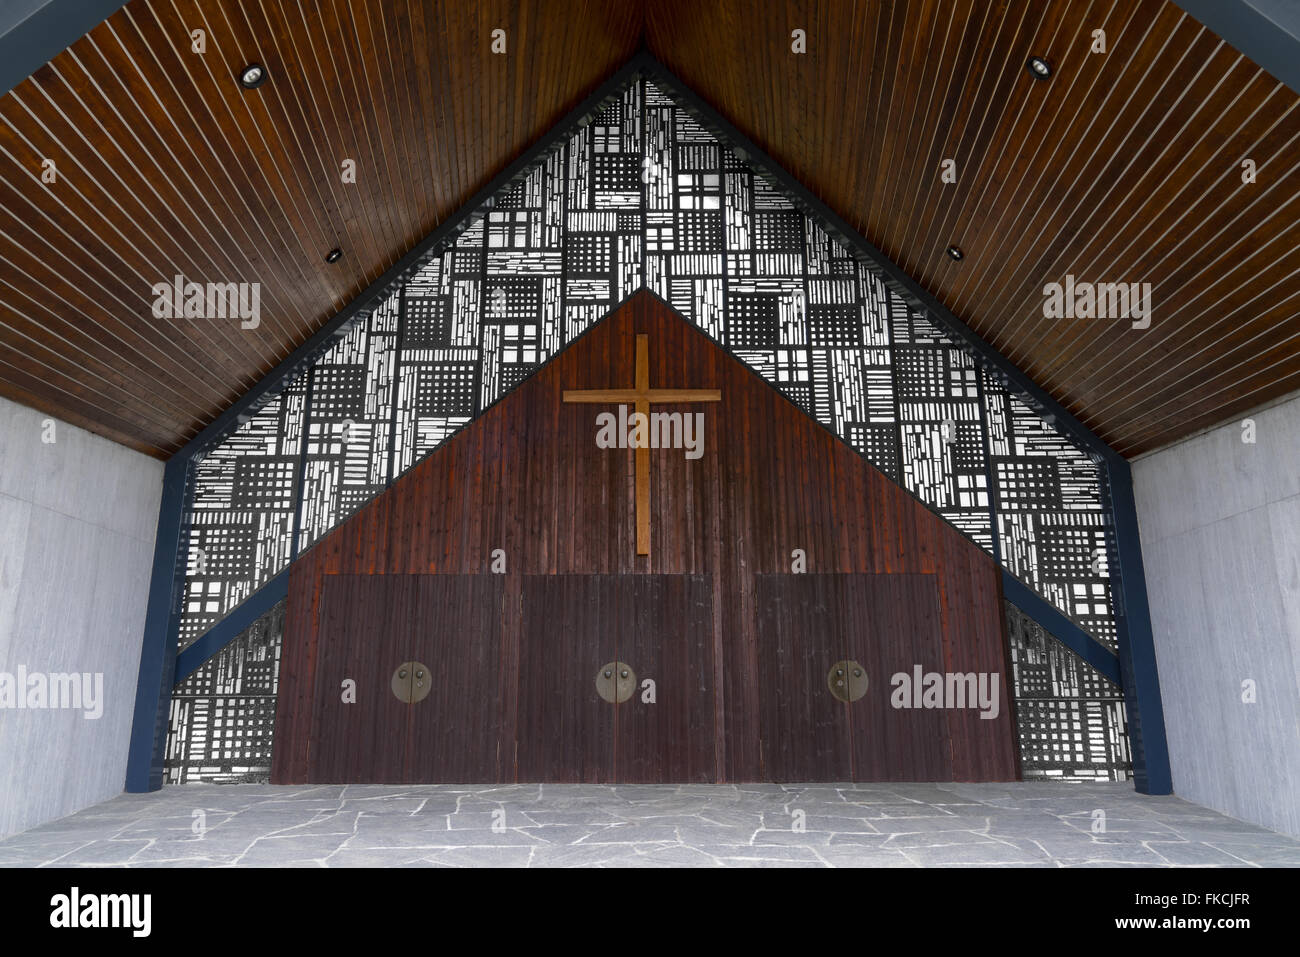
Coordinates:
[166,165]
[1126,166]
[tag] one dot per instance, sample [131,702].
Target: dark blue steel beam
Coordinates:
[144,766]
[1267,31]
[1061,626]
[34,32]
[1137,650]
[230,627]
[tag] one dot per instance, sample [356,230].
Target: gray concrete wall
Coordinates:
[77,521]
[1220,521]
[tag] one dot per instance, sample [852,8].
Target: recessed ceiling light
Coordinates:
[334,255]
[955,253]
[252,76]
[1038,68]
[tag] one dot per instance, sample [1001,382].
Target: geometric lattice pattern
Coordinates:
[222,717]
[1071,718]
[644,196]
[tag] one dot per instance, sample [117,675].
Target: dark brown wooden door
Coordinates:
[659,625]
[667,639]
[893,626]
[362,640]
[569,628]
[370,625]
[455,627]
[887,624]
[803,729]
[528,478]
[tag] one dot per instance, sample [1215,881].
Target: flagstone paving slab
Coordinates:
[1029,824]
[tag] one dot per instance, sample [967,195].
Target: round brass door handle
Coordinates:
[847,680]
[614,689]
[411,682]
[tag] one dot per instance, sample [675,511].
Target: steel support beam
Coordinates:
[1061,626]
[231,627]
[153,690]
[1137,649]
[34,32]
[1267,31]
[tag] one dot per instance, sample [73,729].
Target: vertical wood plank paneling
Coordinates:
[361,639]
[454,627]
[665,629]
[529,478]
[570,629]
[891,625]
[804,731]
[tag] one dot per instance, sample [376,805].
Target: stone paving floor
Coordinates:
[1030,824]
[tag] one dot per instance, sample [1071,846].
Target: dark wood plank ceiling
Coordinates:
[1125,166]
[167,166]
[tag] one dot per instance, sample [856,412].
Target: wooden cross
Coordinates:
[643,397]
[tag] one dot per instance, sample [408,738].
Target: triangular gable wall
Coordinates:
[644,196]
[528,482]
